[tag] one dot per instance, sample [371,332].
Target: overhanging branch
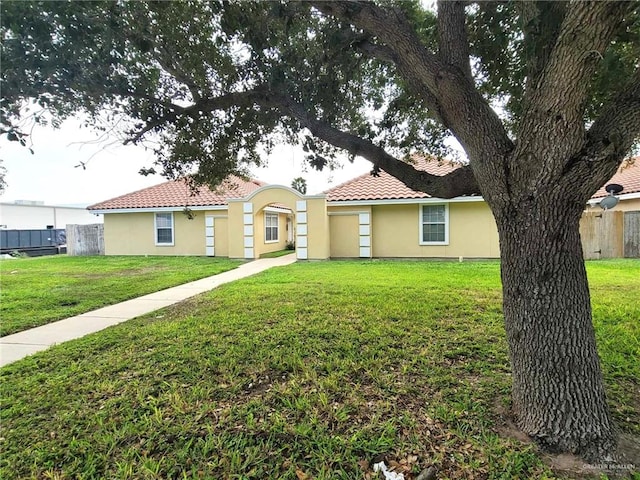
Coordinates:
[448,92]
[457,183]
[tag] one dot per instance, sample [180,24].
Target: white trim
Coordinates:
[446,226]
[247,208]
[302,241]
[301,205]
[210,235]
[155,231]
[365,252]
[301,217]
[302,253]
[351,212]
[301,229]
[159,209]
[248,253]
[403,201]
[248,230]
[277,210]
[271,187]
[621,197]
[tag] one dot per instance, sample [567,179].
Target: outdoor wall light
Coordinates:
[607,203]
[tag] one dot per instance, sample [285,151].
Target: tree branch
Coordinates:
[446,89]
[222,102]
[557,99]
[609,139]
[459,182]
[452,35]
[380,52]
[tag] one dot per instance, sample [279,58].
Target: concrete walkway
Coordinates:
[19,345]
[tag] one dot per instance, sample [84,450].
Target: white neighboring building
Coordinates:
[33,215]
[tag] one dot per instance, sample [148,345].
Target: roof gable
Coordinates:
[176,193]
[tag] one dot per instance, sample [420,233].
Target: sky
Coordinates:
[54,173]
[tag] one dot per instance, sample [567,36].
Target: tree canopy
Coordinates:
[216,81]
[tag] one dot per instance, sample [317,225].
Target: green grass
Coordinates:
[279,253]
[36,291]
[313,369]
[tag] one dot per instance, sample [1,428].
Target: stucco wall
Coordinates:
[472,232]
[134,234]
[221,233]
[344,236]
[261,244]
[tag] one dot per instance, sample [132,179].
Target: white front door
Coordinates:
[209,236]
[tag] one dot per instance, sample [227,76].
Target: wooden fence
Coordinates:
[85,239]
[610,234]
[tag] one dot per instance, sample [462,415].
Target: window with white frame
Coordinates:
[271,227]
[164,228]
[434,223]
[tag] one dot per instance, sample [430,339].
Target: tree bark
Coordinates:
[558,392]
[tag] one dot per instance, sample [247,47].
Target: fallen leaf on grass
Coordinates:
[301,475]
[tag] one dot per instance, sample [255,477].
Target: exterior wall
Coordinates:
[221,231]
[37,217]
[345,230]
[344,236]
[261,245]
[134,234]
[472,232]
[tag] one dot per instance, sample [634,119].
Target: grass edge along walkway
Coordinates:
[37,291]
[19,345]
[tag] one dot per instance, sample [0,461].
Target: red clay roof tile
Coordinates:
[176,193]
[386,187]
[628,175]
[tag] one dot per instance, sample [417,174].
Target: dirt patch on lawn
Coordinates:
[571,465]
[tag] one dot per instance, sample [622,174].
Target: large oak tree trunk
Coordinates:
[558,392]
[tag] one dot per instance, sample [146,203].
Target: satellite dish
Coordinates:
[613,188]
[607,203]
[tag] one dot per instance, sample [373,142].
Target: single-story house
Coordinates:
[366,217]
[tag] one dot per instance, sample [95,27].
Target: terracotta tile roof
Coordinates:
[628,175]
[176,193]
[386,187]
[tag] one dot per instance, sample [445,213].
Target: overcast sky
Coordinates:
[54,173]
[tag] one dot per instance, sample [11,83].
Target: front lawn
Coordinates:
[310,371]
[36,291]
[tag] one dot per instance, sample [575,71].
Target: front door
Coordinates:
[209,236]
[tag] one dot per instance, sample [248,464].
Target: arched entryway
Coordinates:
[261,219]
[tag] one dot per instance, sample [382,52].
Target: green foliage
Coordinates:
[37,291]
[316,367]
[136,67]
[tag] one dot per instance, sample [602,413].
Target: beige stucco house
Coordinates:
[367,217]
